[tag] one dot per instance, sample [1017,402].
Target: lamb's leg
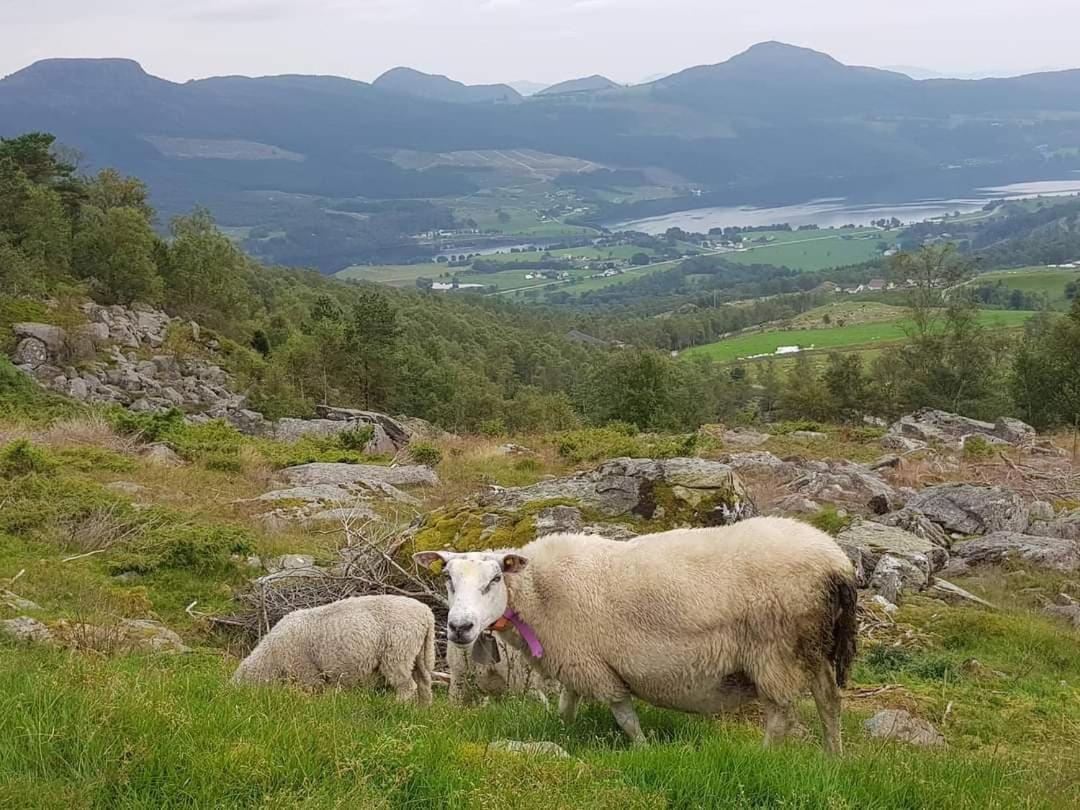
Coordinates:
[422,679]
[399,676]
[827,699]
[627,719]
[568,704]
[777,720]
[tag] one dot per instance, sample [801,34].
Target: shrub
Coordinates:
[200,548]
[356,438]
[830,520]
[977,447]
[594,444]
[22,457]
[791,425]
[423,453]
[493,427]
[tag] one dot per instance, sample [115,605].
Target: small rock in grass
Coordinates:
[25,628]
[542,748]
[897,724]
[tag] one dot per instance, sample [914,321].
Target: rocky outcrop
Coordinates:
[370,475]
[705,493]
[931,426]
[897,724]
[890,561]
[966,509]
[1066,526]
[388,435]
[1002,547]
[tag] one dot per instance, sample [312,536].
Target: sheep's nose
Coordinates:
[460,628]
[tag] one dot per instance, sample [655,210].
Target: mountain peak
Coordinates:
[782,55]
[412,82]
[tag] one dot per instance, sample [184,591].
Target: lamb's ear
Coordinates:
[425,559]
[512,563]
[485,650]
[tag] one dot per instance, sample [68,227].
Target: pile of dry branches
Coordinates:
[368,565]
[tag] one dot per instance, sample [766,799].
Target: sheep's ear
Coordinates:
[425,559]
[485,650]
[512,563]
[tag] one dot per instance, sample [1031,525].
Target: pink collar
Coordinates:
[527,633]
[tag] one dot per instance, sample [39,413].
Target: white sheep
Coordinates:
[349,642]
[698,620]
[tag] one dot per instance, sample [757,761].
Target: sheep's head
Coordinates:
[475,587]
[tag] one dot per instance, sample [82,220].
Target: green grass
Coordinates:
[1038,280]
[139,731]
[814,250]
[395,275]
[831,338]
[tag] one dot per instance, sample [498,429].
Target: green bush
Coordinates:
[594,444]
[830,520]
[199,548]
[423,453]
[977,447]
[791,425]
[22,457]
[356,438]
[493,427]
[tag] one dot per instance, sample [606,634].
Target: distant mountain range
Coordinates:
[776,123]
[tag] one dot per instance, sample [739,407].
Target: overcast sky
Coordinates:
[541,40]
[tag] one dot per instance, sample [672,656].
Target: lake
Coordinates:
[834,212]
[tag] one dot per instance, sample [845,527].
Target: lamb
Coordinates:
[698,620]
[349,642]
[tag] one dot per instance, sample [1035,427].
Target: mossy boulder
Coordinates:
[616,499]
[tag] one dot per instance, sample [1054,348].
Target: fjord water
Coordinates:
[834,212]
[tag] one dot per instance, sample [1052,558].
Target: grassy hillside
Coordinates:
[837,337]
[100,729]
[814,250]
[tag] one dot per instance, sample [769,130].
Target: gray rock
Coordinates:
[52,336]
[897,724]
[796,505]
[30,352]
[969,509]
[872,540]
[894,576]
[558,519]
[289,561]
[812,435]
[1002,547]
[842,482]
[930,425]
[16,602]
[24,628]
[1070,613]
[126,487]
[917,524]
[152,636]
[760,462]
[367,474]
[1040,511]
[381,444]
[78,389]
[346,514]
[161,455]
[744,438]
[542,748]
[314,494]
[625,486]
[904,444]
[1066,526]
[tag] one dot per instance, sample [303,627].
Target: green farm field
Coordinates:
[815,250]
[832,338]
[1049,281]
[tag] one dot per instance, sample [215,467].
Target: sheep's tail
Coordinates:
[842,600]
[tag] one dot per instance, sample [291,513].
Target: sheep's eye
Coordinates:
[498,578]
[487,587]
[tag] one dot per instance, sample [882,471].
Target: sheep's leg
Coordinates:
[422,679]
[627,719]
[777,720]
[568,704]
[400,678]
[827,699]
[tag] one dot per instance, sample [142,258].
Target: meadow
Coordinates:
[814,250]
[1048,281]
[836,337]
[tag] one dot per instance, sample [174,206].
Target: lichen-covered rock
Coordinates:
[161,455]
[895,576]
[917,524]
[52,337]
[950,429]
[897,724]
[680,490]
[25,628]
[558,519]
[998,548]
[31,353]
[970,509]
[867,543]
[366,474]
[1066,526]
[843,483]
